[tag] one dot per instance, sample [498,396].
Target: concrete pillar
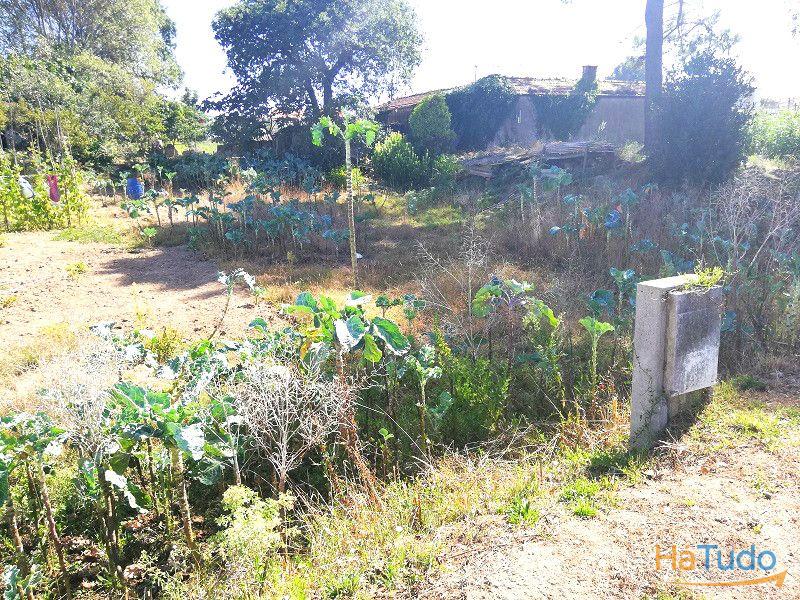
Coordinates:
[675,352]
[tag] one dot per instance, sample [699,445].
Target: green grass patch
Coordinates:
[440,216]
[521,511]
[731,419]
[745,383]
[584,508]
[93,233]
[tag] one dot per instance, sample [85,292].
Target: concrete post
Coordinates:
[675,352]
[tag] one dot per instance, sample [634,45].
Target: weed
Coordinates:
[763,484]
[440,216]
[618,462]
[165,345]
[584,508]
[581,488]
[75,270]
[521,511]
[731,419]
[674,594]
[706,278]
[344,587]
[8,301]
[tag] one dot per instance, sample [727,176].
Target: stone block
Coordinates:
[676,349]
[693,332]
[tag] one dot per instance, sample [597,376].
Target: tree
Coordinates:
[85,81]
[184,122]
[307,58]
[703,118]
[631,69]
[361,128]
[430,126]
[136,34]
[653,67]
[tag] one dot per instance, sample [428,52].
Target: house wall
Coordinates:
[623,119]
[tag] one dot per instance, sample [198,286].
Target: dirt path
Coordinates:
[161,287]
[742,497]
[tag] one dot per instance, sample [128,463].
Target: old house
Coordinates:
[617,116]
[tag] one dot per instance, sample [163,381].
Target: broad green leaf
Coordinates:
[119,462]
[11,580]
[130,491]
[372,353]
[540,311]
[306,299]
[358,298]
[349,333]
[596,328]
[316,135]
[259,325]
[191,440]
[443,403]
[210,472]
[391,335]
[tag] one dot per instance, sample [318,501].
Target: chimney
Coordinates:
[589,72]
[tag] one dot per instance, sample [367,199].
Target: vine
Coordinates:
[478,111]
[563,116]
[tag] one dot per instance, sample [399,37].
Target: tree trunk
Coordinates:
[653,66]
[351,214]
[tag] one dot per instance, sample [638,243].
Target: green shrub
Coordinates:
[776,135]
[430,126]
[250,535]
[703,119]
[338,177]
[479,389]
[445,170]
[398,165]
[197,170]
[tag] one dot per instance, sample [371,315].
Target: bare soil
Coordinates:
[173,287]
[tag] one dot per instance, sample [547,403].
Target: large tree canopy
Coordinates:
[84,77]
[136,34]
[299,59]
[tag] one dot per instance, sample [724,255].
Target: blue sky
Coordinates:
[525,37]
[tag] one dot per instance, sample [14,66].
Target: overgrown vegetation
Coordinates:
[322,452]
[478,110]
[703,118]
[776,135]
[562,117]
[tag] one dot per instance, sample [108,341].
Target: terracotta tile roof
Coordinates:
[538,86]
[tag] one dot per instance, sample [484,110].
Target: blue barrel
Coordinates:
[134,188]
